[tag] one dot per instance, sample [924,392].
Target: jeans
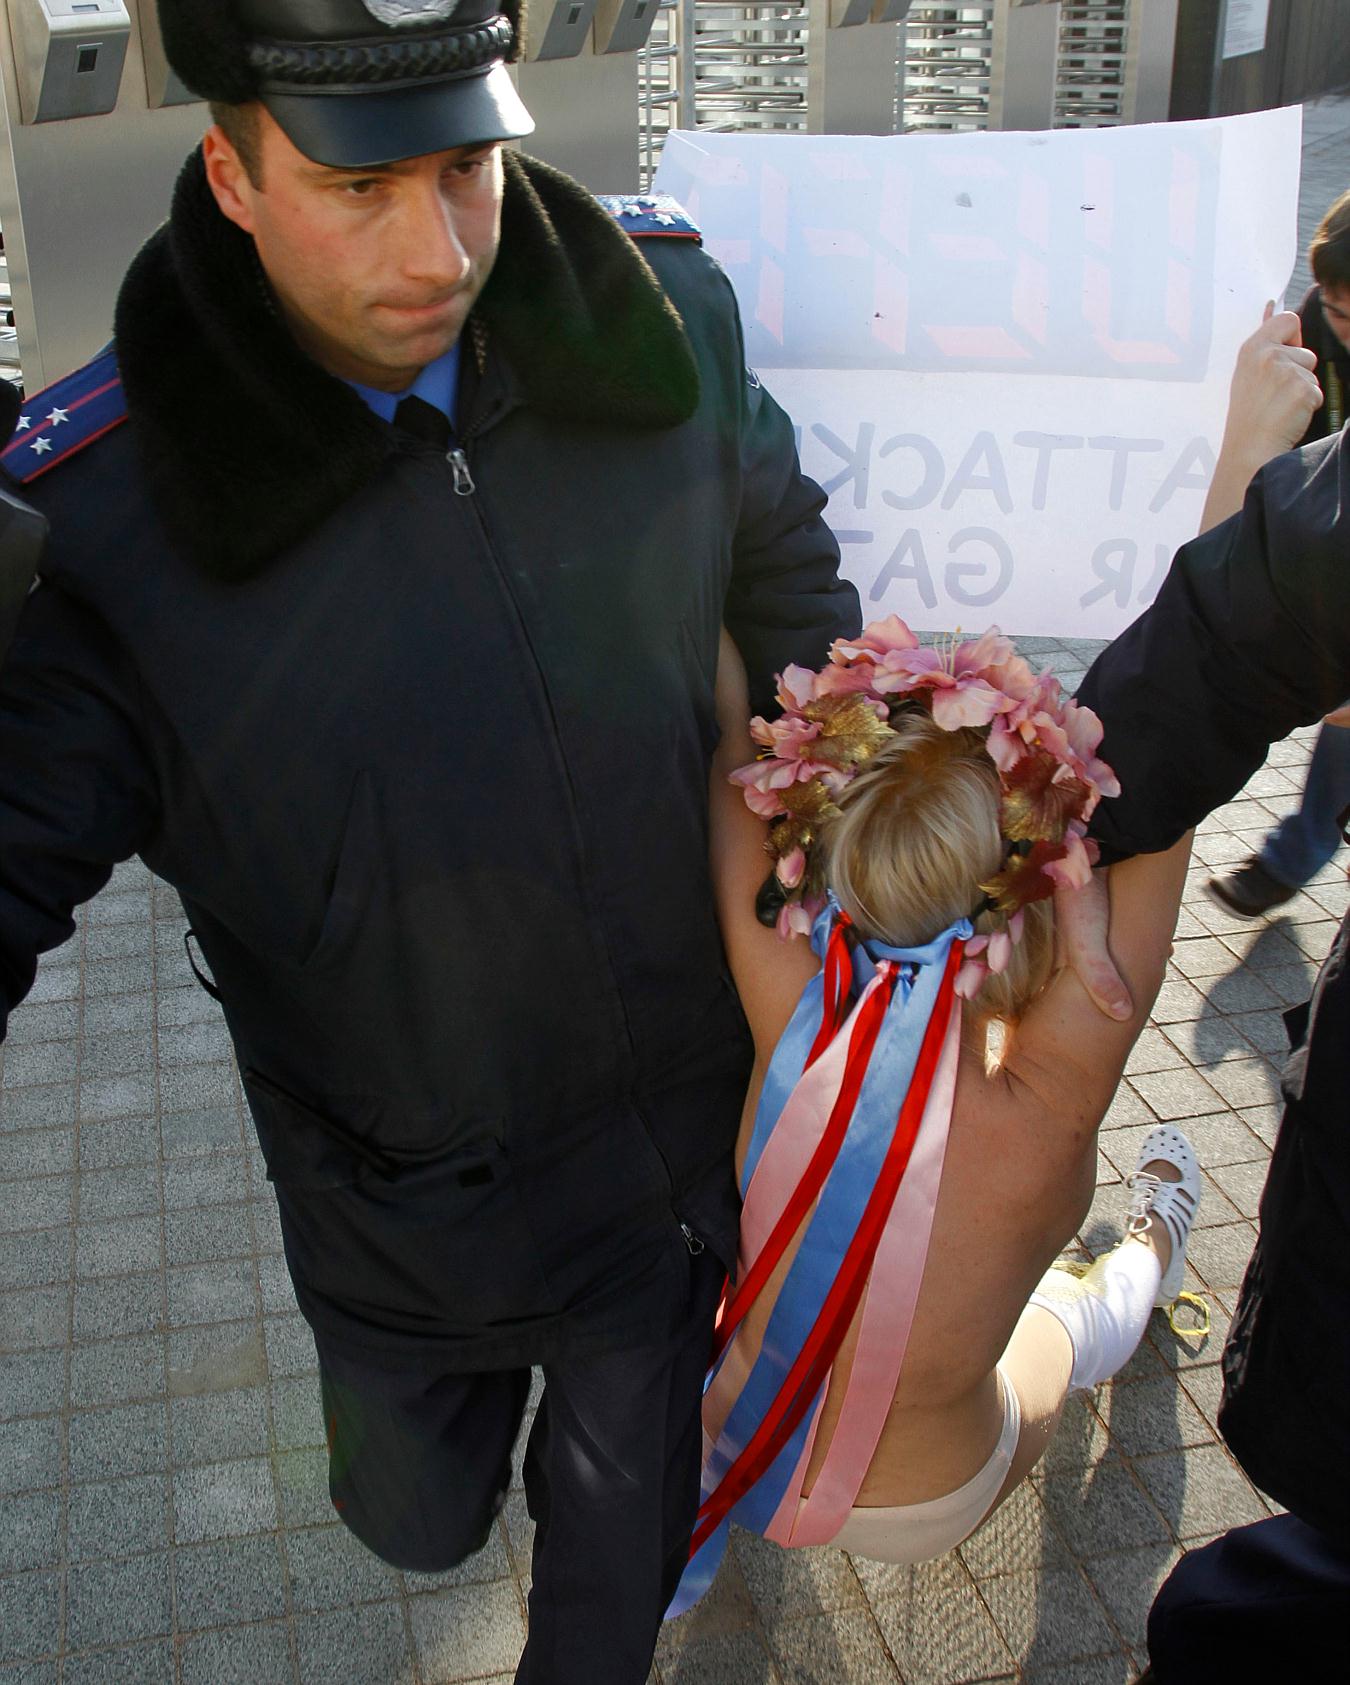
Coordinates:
[1302,844]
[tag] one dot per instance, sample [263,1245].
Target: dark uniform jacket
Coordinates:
[1333,368]
[429,767]
[1250,637]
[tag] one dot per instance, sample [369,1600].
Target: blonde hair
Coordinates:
[918,833]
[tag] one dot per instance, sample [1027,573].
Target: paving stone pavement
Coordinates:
[163,1511]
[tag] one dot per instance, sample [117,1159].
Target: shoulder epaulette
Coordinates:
[650,215]
[64,418]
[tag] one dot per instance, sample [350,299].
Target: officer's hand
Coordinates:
[1082,917]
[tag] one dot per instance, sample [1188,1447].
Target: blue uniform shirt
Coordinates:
[437,384]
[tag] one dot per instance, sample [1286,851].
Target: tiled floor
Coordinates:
[163,1514]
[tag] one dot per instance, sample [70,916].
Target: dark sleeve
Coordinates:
[76,791]
[1248,638]
[786,601]
[1313,329]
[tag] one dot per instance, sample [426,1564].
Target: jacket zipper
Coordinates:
[463,484]
[691,1240]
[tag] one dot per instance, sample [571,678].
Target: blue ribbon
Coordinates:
[843,1199]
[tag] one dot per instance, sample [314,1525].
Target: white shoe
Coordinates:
[1174,1204]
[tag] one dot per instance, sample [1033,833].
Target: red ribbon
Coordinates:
[812,1366]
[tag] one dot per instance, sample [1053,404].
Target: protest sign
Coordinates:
[1007,355]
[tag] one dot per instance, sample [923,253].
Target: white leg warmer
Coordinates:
[1104,1311]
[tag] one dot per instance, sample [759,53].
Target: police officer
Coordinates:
[390,544]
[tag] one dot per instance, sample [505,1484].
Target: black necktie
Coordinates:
[421,420]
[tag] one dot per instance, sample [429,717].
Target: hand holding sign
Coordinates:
[1273,397]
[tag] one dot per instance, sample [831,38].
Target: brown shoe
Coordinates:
[1250,891]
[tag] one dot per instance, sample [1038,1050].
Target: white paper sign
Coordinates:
[1244,27]
[1007,355]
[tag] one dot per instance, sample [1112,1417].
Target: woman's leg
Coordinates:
[1090,1334]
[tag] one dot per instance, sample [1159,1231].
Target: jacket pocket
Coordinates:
[440,1244]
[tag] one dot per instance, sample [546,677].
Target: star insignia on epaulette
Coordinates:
[41,446]
[663,216]
[58,416]
[23,424]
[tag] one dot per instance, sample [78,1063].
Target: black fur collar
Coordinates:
[249,444]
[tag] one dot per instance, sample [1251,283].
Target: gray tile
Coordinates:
[1017,1537]
[266,1224]
[40,1203]
[217,1427]
[845,1649]
[1200,1491]
[1117,1669]
[203,1043]
[1127,1583]
[371,1641]
[290,1346]
[30,1531]
[117,941]
[124,1140]
[1190,1351]
[113,908]
[132,1095]
[934,1622]
[330,1568]
[43,1021]
[121,1304]
[223,1500]
[127,1439]
[1155,1415]
[277,1292]
[245,1655]
[207,1232]
[37,1152]
[127,1191]
[297,1414]
[38,1673]
[126,1053]
[216,1358]
[117,1518]
[1220,1256]
[1107,1511]
[189,1005]
[121,1247]
[1049,1618]
[34,1260]
[786,1584]
[30,1453]
[56,981]
[204,1130]
[1249,1082]
[113,1602]
[36,1108]
[34,1316]
[214,1292]
[1176,1094]
[113,1371]
[217,1180]
[32,1382]
[228,1582]
[302,1478]
[119,1015]
[1243,1184]
[198,1085]
[30,1615]
[40,1062]
[465,1632]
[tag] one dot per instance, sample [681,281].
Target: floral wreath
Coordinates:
[1043,744]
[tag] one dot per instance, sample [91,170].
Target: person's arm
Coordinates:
[769,972]
[1066,1057]
[1249,637]
[77,794]
[786,602]
[1273,397]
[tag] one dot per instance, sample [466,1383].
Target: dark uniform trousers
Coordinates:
[420,1464]
[1269,1603]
